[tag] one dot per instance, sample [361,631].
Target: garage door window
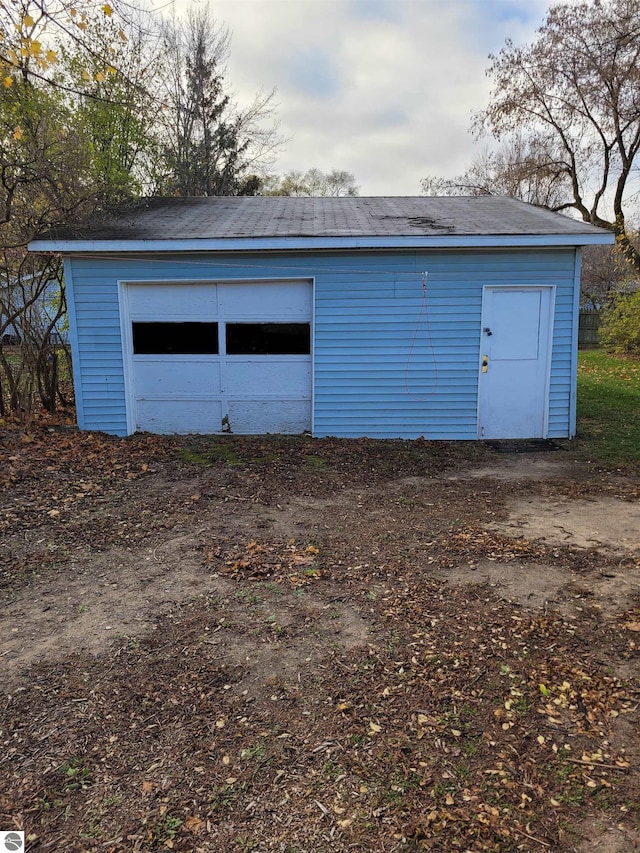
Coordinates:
[175,338]
[268,339]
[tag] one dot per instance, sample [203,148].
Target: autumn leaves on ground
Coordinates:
[272,644]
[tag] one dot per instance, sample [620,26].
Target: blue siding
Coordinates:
[388,360]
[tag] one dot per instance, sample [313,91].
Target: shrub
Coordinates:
[620,327]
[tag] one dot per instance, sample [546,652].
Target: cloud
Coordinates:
[381,10]
[382,88]
[312,73]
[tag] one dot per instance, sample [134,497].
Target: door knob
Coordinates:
[485,363]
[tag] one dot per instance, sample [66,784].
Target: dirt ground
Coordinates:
[298,645]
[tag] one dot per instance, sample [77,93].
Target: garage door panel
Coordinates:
[177,383]
[255,417]
[171,301]
[169,377]
[179,416]
[272,300]
[275,376]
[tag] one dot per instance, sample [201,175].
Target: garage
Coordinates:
[442,318]
[216,356]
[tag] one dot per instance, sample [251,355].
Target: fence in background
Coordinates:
[589,328]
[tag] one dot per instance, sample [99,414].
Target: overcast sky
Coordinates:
[382,88]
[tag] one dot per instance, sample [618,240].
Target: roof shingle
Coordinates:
[276,216]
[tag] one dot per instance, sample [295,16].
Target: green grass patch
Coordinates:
[608,406]
[314,461]
[210,455]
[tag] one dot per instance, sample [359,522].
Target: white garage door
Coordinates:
[218,357]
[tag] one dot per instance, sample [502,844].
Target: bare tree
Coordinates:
[605,275]
[574,95]
[32,320]
[313,182]
[209,145]
[518,168]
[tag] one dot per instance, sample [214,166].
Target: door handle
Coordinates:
[485,363]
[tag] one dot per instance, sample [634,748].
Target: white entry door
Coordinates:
[515,345]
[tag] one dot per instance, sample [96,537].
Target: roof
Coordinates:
[289,222]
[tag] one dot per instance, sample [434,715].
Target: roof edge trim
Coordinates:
[247,244]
